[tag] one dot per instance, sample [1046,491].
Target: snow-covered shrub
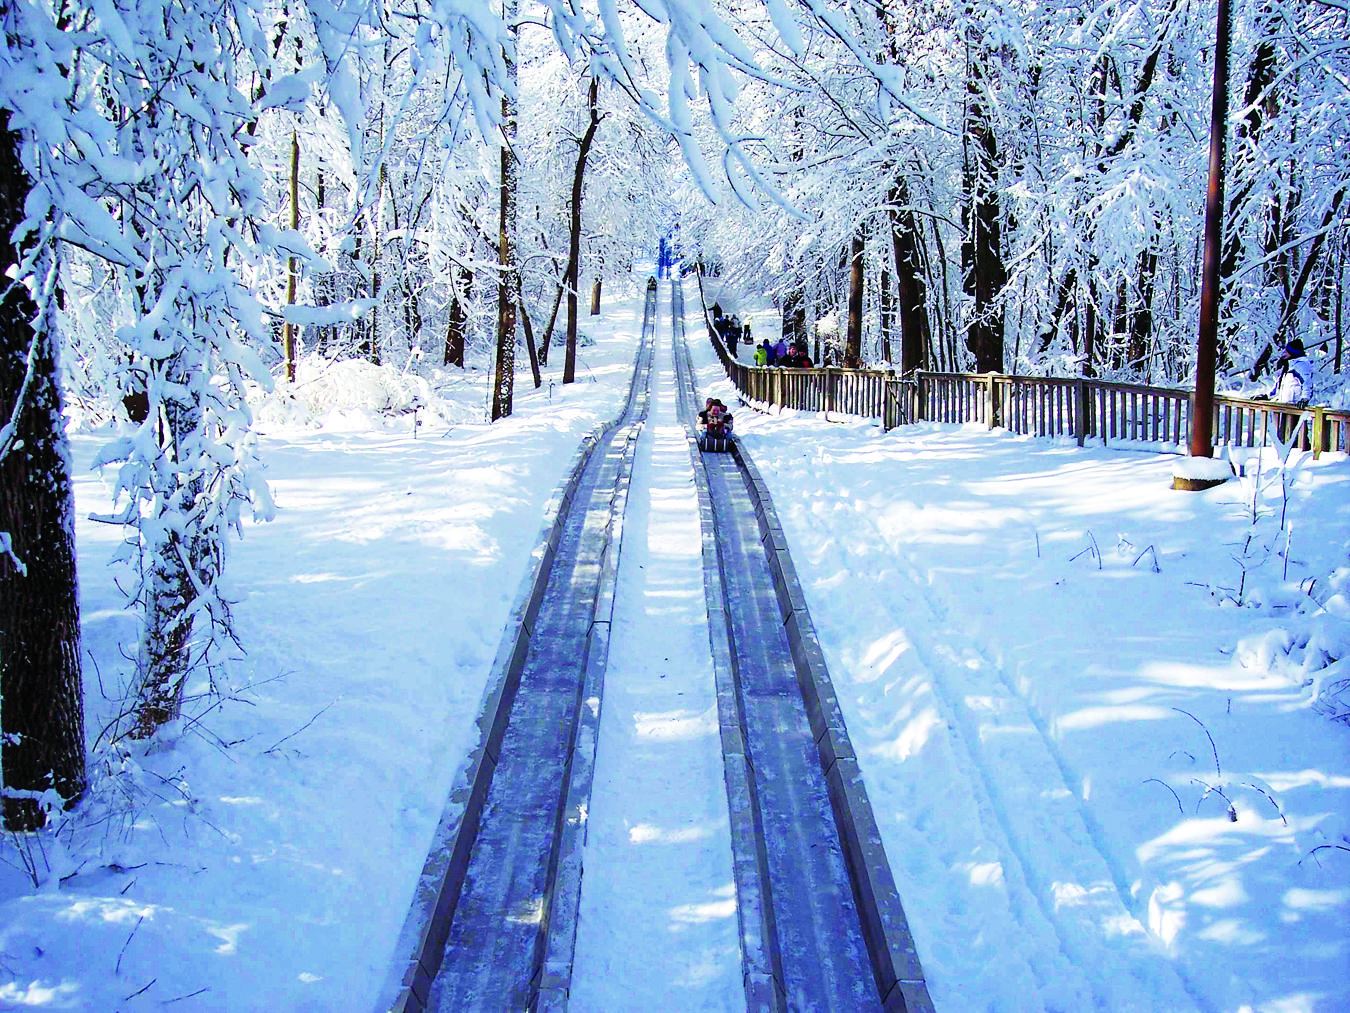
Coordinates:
[1313,648]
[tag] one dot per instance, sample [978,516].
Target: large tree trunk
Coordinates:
[41,706]
[853,340]
[505,372]
[178,560]
[915,334]
[981,252]
[574,233]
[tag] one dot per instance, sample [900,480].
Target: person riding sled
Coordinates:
[714,425]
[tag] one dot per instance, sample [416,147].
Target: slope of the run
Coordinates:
[264,856]
[1034,645]
[657,927]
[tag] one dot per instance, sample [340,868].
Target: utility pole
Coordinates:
[1206,353]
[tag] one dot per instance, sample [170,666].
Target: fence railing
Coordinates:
[1081,408]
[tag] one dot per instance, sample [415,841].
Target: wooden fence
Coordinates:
[1084,409]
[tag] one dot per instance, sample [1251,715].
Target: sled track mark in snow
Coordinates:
[822,926]
[1024,789]
[493,919]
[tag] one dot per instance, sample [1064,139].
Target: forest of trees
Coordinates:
[199,197]
[1026,183]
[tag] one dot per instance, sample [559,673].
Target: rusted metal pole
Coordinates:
[1206,353]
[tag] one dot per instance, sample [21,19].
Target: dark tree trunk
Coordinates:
[454,329]
[1260,77]
[1141,319]
[794,317]
[41,706]
[528,325]
[574,234]
[323,292]
[853,340]
[885,309]
[288,329]
[1206,352]
[981,250]
[504,377]
[915,334]
[552,323]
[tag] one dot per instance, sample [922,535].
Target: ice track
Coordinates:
[494,923]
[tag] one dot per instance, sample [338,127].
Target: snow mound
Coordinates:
[353,390]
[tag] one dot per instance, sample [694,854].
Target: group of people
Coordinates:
[730,329]
[782,353]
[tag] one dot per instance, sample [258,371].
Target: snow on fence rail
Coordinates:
[1085,409]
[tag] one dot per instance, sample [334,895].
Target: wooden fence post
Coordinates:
[1318,432]
[1080,421]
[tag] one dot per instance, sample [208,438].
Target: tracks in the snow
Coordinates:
[493,923]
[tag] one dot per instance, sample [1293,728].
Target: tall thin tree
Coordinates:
[574,230]
[504,374]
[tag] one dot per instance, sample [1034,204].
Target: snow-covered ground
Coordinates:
[1058,673]
[1034,645]
[264,857]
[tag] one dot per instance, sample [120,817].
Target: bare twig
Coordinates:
[1180,808]
[180,998]
[1212,747]
[1268,799]
[1147,551]
[1092,549]
[1323,847]
[118,968]
[141,991]
[301,728]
